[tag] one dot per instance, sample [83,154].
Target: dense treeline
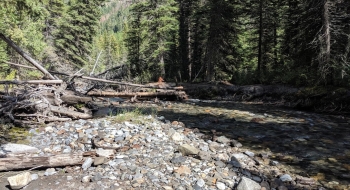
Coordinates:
[298,42]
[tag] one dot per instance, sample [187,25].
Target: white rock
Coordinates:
[86,179]
[87,163]
[20,180]
[49,129]
[50,171]
[167,188]
[18,148]
[200,182]
[106,153]
[220,185]
[177,137]
[248,184]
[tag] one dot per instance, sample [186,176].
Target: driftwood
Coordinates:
[26,161]
[168,93]
[51,101]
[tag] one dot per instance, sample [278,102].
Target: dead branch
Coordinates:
[26,56]
[31,82]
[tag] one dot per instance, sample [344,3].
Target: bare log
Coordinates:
[163,86]
[70,113]
[31,82]
[26,56]
[20,65]
[168,93]
[23,162]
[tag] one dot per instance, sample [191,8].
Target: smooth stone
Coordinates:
[286,177]
[50,171]
[248,184]
[220,185]
[86,179]
[18,148]
[200,182]
[105,152]
[220,164]
[20,180]
[69,178]
[177,137]
[223,139]
[87,164]
[48,129]
[99,160]
[204,155]
[257,179]
[236,144]
[274,163]
[187,149]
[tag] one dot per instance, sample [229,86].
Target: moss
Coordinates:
[19,135]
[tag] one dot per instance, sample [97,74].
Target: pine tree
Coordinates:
[77,27]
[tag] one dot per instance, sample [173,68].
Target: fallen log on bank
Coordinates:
[27,161]
[180,95]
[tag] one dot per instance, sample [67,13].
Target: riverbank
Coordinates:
[197,145]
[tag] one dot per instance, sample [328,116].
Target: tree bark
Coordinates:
[260,36]
[27,57]
[23,162]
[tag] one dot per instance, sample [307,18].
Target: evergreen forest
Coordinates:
[294,42]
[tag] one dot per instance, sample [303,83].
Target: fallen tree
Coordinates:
[25,161]
[41,101]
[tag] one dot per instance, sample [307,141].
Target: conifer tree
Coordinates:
[77,27]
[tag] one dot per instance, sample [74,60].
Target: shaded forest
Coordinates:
[295,42]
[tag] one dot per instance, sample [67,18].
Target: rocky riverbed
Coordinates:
[166,150]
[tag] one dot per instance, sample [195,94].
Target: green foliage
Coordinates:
[77,27]
[150,36]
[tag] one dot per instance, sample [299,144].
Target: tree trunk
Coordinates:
[23,162]
[260,36]
[26,57]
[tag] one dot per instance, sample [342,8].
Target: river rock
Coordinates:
[236,143]
[99,160]
[20,180]
[248,184]
[187,149]
[87,164]
[220,185]
[103,152]
[18,148]
[285,178]
[177,137]
[50,171]
[223,139]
